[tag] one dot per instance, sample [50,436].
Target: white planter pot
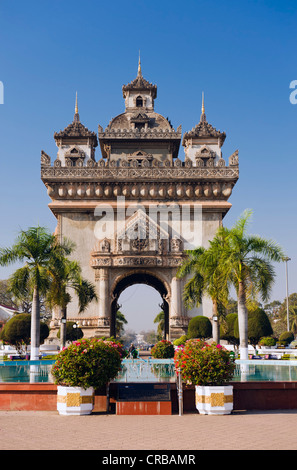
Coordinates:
[75,400]
[214,400]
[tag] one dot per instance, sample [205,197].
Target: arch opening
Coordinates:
[140,278]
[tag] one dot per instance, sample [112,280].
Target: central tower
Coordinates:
[139,133]
[113,206]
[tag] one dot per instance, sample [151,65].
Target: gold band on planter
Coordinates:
[75,399]
[214,399]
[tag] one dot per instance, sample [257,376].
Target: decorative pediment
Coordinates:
[141,154]
[205,152]
[140,118]
[140,241]
[141,226]
[75,152]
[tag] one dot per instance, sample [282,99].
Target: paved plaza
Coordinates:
[40,430]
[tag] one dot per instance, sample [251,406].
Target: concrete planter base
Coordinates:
[75,400]
[214,400]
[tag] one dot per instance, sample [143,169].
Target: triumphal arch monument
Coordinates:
[133,209]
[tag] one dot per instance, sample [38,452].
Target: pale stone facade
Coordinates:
[137,179]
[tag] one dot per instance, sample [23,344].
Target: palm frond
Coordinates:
[86,293]
[191,262]
[10,255]
[240,227]
[160,317]
[267,248]
[19,282]
[193,291]
[262,275]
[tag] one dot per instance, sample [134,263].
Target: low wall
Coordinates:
[250,396]
[247,396]
[36,397]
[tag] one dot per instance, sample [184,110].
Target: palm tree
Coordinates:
[207,278]
[120,322]
[66,275]
[246,261]
[36,247]
[160,319]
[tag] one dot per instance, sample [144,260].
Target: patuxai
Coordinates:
[133,209]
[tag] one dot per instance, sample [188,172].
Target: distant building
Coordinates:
[5,314]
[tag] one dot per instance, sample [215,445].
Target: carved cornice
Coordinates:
[147,261]
[142,134]
[130,174]
[130,170]
[152,180]
[195,190]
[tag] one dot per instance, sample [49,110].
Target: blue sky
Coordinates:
[241,54]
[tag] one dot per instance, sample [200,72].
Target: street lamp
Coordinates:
[287,289]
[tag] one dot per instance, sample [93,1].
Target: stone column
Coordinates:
[102,279]
[177,326]
[176,304]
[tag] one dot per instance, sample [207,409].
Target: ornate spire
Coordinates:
[76,107]
[203,116]
[139,73]
[76,115]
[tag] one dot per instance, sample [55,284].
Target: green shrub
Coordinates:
[17,331]
[286,338]
[267,341]
[87,363]
[163,350]
[204,364]
[72,334]
[227,331]
[199,327]
[258,326]
[180,341]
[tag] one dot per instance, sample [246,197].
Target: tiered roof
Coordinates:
[140,84]
[76,130]
[203,130]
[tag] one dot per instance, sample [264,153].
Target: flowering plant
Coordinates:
[163,350]
[204,364]
[87,363]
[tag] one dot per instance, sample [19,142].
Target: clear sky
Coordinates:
[242,54]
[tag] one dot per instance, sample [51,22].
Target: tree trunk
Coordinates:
[35,326]
[63,327]
[215,323]
[242,322]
